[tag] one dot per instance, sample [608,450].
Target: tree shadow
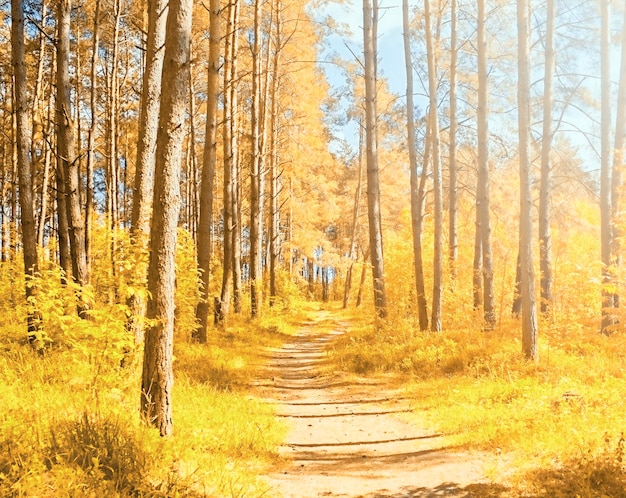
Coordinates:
[450,489]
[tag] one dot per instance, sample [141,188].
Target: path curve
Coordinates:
[346,434]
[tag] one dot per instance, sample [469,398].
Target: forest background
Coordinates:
[188,180]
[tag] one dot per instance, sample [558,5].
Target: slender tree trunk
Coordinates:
[157,376]
[373,185]
[617,175]
[230,165]
[529,311]
[146,156]
[435,323]
[274,232]
[234,125]
[545,235]
[45,182]
[417,187]
[453,237]
[208,173]
[364,267]
[606,236]
[93,128]
[355,221]
[482,190]
[256,229]
[20,106]
[66,153]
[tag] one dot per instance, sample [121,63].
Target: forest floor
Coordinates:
[347,436]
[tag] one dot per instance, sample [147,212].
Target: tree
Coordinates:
[435,322]
[66,155]
[146,150]
[545,237]
[157,374]
[617,175]
[20,106]
[605,171]
[371,155]
[453,236]
[208,173]
[529,314]
[417,186]
[483,215]
[256,172]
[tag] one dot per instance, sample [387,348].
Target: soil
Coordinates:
[348,437]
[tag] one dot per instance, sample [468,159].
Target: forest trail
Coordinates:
[346,434]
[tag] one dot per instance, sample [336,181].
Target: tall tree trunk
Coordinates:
[157,376]
[91,135]
[208,173]
[545,234]
[453,236]
[234,124]
[435,323]
[606,237]
[617,174]
[417,187]
[529,312]
[20,106]
[66,153]
[482,189]
[355,221]
[230,164]
[364,267]
[146,155]
[373,184]
[274,172]
[256,207]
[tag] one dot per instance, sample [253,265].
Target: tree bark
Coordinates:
[417,186]
[208,173]
[617,176]
[545,234]
[20,107]
[91,134]
[453,236]
[529,312]
[373,184]
[606,236]
[435,322]
[482,189]
[274,171]
[256,173]
[67,156]
[355,221]
[146,156]
[157,375]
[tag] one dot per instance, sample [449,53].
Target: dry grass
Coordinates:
[560,421]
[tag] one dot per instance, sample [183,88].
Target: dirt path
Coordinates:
[347,437]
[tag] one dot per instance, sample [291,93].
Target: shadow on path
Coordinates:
[347,436]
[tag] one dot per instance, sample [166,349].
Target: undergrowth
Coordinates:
[70,425]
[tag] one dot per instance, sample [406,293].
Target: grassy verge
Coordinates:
[69,422]
[559,422]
